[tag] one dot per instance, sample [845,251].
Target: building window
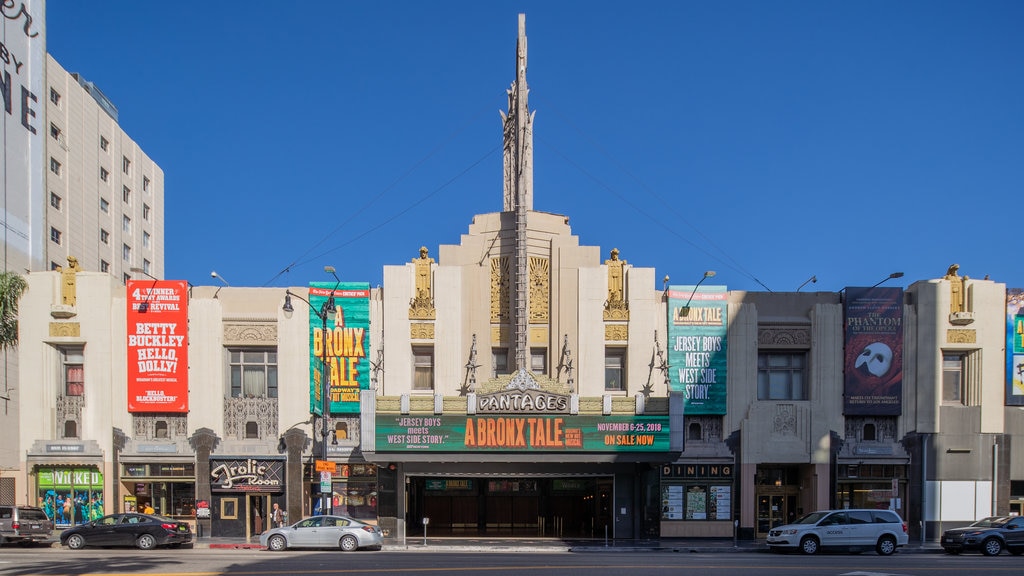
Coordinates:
[70,429]
[145,212]
[145,266]
[869,433]
[54,265]
[104,205]
[126,165]
[160,429]
[104,236]
[55,200]
[55,235]
[126,253]
[694,432]
[73,361]
[423,368]
[145,239]
[125,278]
[253,372]
[104,174]
[539,360]
[104,266]
[104,144]
[126,224]
[145,183]
[614,369]
[961,383]
[782,376]
[499,362]
[55,97]
[341,431]
[54,131]
[126,194]
[252,430]
[55,166]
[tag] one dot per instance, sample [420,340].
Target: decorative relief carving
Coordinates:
[784,420]
[499,290]
[262,333]
[500,334]
[710,427]
[421,331]
[421,307]
[784,336]
[69,408]
[145,426]
[540,288]
[885,427]
[961,336]
[616,307]
[616,332]
[238,411]
[65,329]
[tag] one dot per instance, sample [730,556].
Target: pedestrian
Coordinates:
[278,516]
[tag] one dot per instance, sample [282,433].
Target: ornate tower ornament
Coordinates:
[540,274]
[616,307]
[499,290]
[565,363]
[421,306]
[518,134]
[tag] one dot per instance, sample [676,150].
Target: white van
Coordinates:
[852,530]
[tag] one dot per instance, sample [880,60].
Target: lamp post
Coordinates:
[686,307]
[892,276]
[326,310]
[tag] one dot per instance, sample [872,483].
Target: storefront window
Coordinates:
[70,496]
[355,491]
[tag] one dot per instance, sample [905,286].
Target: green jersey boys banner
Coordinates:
[346,345]
[522,433]
[697,325]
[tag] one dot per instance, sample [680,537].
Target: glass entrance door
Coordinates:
[771,511]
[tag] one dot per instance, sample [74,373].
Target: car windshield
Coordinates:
[991,522]
[811,518]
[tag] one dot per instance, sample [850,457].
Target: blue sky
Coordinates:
[768,141]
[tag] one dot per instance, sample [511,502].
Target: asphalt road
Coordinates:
[208,562]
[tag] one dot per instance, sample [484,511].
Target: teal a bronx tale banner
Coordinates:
[697,347]
[346,346]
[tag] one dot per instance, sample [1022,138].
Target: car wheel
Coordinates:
[991,547]
[348,543]
[277,543]
[886,545]
[146,542]
[76,542]
[809,545]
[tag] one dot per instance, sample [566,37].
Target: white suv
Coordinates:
[853,530]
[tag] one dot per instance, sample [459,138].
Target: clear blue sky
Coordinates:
[769,141]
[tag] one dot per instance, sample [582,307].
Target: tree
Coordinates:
[12,286]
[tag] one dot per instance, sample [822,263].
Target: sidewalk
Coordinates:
[554,545]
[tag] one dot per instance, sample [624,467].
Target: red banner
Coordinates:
[157,346]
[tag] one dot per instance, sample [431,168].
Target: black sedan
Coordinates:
[144,531]
[989,535]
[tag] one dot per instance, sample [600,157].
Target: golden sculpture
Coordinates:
[616,308]
[540,273]
[421,307]
[499,290]
[957,294]
[67,282]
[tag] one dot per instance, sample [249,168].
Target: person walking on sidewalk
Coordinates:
[277,516]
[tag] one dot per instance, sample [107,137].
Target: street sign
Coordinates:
[325,482]
[326,466]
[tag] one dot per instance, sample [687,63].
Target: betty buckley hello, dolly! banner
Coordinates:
[345,345]
[874,351]
[698,322]
[157,346]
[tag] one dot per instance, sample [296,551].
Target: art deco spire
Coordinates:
[518,134]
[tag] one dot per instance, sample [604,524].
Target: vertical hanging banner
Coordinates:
[346,345]
[157,345]
[873,364]
[1014,347]
[697,346]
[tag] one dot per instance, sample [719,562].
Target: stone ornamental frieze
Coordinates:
[499,290]
[263,333]
[540,288]
[784,336]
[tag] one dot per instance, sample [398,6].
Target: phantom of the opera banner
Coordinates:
[522,433]
[873,363]
[1014,347]
[346,345]
[698,321]
[157,346]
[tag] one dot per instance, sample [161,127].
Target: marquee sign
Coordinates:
[246,475]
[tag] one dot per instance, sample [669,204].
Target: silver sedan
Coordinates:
[324,532]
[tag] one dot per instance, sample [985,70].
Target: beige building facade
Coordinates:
[522,384]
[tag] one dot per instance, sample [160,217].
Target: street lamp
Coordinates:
[686,307]
[892,276]
[326,310]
